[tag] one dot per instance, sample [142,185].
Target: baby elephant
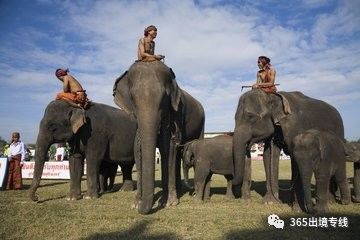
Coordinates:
[208,156]
[352,150]
[322,153]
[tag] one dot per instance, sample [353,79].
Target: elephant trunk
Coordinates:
[241,140]
[145,162]
[42,146]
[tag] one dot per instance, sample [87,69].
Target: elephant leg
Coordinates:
[76,167]
[200,177]
[168,167]
[102,183]
[246,184]
[137,155]
[296,192]
[178,173]
[128,184]
[207,187]
[341,180]
[271,165]
[164,172]
[172,197]
[356,182]
[229,191]
[322,192]
[92,173]
[305,171]
[110,187]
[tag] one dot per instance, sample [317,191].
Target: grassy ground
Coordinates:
[110,216]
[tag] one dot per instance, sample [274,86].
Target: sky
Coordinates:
[212,46]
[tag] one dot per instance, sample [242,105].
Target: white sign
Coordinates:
[3,167]
[52,170]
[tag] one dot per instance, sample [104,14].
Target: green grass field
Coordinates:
[110,216]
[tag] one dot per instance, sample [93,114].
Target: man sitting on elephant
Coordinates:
[73,91]
[146,47]
[265,78]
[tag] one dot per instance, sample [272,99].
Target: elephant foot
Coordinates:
[246,196]
[198,200]
[270,199]
[321,208]
[296,208]
[172,201]
[73,198]
[91,196]
[356,199]
[127,186]
[34,197]
[345,200]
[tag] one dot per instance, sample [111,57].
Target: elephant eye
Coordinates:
[52,127]
[252,117]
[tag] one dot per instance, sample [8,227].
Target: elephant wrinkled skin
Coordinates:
[323,154]
[98,133]
[261,117]
[149,92]
[208,156]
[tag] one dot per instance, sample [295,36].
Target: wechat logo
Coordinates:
[274,220]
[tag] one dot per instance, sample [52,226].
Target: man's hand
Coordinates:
[159,57]
[255,86]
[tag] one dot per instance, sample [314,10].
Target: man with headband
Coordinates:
[146,47]
[73,91]
[265,78]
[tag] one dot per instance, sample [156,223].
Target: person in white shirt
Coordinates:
[16,160]
[60,152]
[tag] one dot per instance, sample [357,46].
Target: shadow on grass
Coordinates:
[27,186]
[51,199]
[138,231]
[352,231]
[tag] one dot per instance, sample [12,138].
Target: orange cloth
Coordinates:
[79,97]
[14,180]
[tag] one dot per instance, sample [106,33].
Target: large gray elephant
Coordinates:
[166,116]
[209,156]
[260,116]
[97,133]
[352,151]
[323,154]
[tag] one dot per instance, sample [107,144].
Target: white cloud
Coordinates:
[212,48]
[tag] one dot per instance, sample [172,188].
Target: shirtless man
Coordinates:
[265,78]
[146,47]
[72,89]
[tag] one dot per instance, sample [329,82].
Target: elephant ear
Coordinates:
[77,119]
[280,107]
[174,91]
[121,93]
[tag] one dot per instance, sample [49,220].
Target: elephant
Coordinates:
[149,93]
[352,151]
[208,156]
[322,153]
[261,116]
[97,133]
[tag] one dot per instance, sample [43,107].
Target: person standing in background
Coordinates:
[16,161]
[60,152]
